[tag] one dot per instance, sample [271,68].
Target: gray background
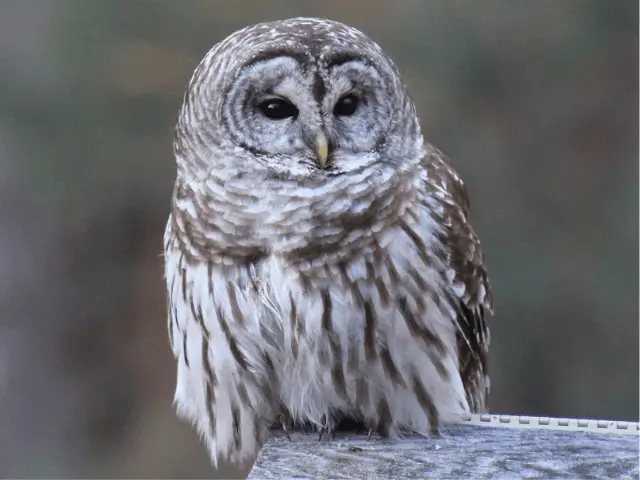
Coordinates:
[535,101]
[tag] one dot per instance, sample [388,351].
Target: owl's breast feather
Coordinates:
[340,318]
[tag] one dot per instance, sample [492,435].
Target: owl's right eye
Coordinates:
[278,109]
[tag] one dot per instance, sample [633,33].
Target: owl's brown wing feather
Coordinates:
[469,287]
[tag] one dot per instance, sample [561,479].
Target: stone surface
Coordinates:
[462,451]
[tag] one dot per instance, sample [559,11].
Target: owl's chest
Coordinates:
[352,300]
[335,322]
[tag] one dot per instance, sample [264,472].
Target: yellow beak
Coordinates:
[322,150]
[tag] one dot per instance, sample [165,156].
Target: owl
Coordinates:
[319,259]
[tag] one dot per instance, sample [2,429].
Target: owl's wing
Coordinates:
[469,290]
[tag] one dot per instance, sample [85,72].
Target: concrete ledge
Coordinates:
[478,447]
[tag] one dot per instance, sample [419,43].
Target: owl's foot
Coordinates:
[322,430]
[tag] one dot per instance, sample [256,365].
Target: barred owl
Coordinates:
[319,259]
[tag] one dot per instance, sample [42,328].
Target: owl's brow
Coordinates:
[264,55]
[340,58]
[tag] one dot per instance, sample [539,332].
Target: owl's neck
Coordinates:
[246,219]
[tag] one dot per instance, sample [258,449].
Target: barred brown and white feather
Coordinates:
[469,283]
[340,280]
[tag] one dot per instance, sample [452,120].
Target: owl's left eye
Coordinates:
[346,106]
[278,109]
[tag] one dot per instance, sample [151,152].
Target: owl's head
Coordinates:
[296,99]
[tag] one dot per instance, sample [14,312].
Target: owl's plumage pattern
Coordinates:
[353,287]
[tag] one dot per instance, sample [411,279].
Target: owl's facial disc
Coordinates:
[301,115]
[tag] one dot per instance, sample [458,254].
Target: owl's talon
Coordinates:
[286,432]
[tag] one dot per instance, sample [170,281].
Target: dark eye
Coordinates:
[346,106]
[278,109]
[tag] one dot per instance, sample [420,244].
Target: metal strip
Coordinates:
[553,423]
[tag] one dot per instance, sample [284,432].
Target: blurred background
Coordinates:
[535,102]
